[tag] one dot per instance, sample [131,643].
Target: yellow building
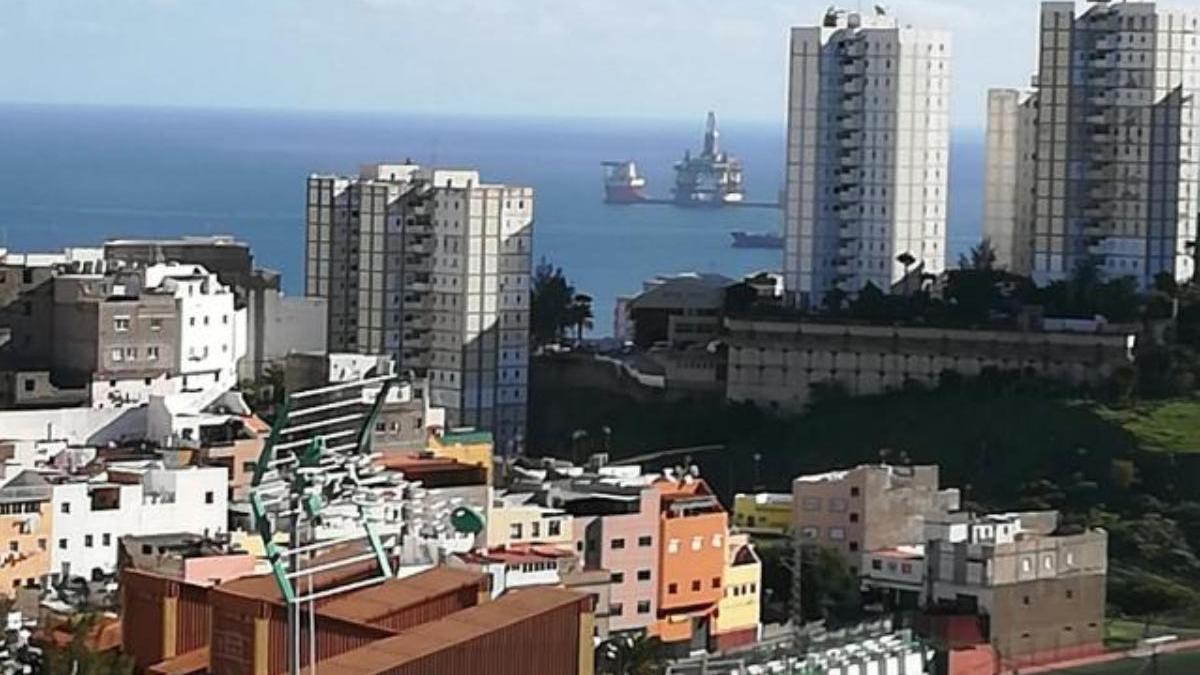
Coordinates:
[465,446]
[763,513]
[514,518]
[737,620]
[25,532]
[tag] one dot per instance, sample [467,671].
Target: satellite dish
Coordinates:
[467,520]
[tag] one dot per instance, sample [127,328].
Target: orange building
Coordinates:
[25,516]
[693,533]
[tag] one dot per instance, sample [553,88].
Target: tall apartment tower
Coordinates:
[430,266]
[867,154]
[1008,177]
[1115,169]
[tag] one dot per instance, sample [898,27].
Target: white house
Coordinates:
[91,514]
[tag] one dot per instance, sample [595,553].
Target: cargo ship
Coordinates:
[713,178]
[623,184]
[769,240]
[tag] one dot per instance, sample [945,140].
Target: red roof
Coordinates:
[521,553]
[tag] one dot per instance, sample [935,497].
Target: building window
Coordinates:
[837,533]
[29,385]
[854,517]
[645,541]
[41,544]
[854,546]
[906,568]
[62,544]
[535,529]
[808,533]
[554,528]
[854,492]
[877,564]
[812,503]
[695,585]
[106,539]
[615,609]
[117,354]
[87,540]
[617,544]
[208,497]
[121,324]
[1025,600]
[837,505]
[1070,594]
[156,324]
[618,577]
[152,353]
[644,575]
[14,546]
[716,541]
[673,546]
[643,606]
[65,507]
[716,582]
[514,531]
[672,588]
[697,543]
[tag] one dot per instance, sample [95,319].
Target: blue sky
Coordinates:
[633,58]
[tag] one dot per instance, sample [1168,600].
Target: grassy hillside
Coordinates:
[1172,426]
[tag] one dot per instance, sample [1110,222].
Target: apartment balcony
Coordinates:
[1099,211]
[1096,246]
[1103,60]
[849,195]
[1100,157]
[1103,79]
[853,86]
[1106,43]
[846,251]
[850,139]
[1095,229]
[850,121]
[1105,98]
[850,158]
[1098,175]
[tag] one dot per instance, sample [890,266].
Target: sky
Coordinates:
[547,58]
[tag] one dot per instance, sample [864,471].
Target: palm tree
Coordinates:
[629,655]
[579,314]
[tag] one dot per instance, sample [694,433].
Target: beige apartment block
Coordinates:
[1114,144]
[432,267]
[867,153]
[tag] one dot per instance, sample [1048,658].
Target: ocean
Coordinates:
[76,175]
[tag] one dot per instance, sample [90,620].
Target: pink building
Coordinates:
[616,529]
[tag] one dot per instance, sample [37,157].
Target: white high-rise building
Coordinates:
[1115,140]
[867,154]
[1008,179]
[430,266]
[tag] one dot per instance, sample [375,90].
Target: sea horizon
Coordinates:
[83,173]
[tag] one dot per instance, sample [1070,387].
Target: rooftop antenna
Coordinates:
[317,468]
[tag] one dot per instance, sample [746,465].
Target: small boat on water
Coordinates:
[767,240]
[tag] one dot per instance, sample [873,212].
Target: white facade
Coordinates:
[90,517]
[1117,144]
[211,340]
[1008,178]
[867,154]
[430,266]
